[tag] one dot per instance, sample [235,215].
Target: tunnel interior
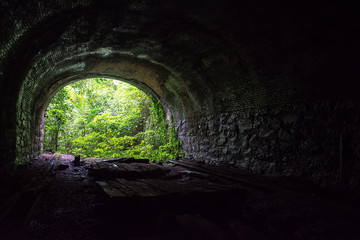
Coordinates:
[267,91]
[267,88]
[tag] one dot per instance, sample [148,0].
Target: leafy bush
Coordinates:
[106,118]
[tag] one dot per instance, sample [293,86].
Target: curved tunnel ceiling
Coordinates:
[80,52]
[190,63]
[149,77]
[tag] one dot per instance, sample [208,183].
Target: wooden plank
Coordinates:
[122,187]
[106,170]
[167,186]
[159,186]
[102,165]
[154,166]
[258,182]
[126,160]
[156,187]
[276,187]
[127,184]
[146,187]
[110,190]
[122,167]
[199,187]
[131,167]
[144,167]
[138,188]
[139,167]
[254,183]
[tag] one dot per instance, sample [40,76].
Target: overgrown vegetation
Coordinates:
[108,118]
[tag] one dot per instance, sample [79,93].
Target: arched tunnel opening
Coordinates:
[264,100]
[143,75]
[108,118]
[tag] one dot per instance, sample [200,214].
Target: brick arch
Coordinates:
[36,93]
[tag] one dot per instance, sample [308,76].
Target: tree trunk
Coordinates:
[56,141]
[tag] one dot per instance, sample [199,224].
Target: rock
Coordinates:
[76,161]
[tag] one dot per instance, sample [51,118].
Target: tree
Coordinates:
[109,118]
[56,118]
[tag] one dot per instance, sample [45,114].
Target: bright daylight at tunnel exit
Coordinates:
[105,118]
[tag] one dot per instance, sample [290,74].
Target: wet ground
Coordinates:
[68,204]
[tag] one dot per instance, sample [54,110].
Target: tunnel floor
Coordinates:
[51,198]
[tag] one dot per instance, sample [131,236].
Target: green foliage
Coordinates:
[107,118]
[57,116]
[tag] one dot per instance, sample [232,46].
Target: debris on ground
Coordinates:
[125,198]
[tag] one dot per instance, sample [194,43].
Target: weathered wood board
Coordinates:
[126,160]
[110,170]
[174,195]
[158,187]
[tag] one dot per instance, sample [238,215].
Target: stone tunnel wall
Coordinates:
[297,140]
[23,134]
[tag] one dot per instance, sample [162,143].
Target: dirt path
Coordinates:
[61,201]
